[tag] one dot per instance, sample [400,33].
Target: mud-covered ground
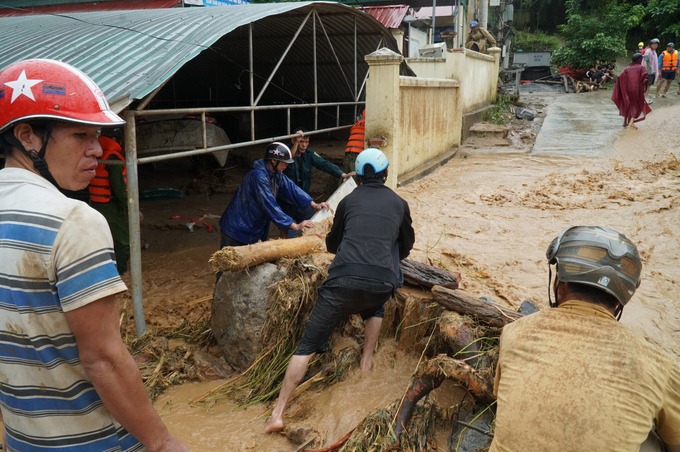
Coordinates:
[487,214]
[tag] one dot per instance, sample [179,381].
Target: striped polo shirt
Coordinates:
[57,255]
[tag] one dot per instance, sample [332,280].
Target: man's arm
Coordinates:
[117,182]
[115,375]
[268,202]
[288,189]
[324,165]
[334,237]
[488,37]
[407,236]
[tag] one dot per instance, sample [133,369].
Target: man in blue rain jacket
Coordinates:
[253,206]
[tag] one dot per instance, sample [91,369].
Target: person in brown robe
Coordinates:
[479,39]
[629,91]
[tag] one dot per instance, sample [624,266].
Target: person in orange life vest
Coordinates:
[355,144]
[108,193]
[669,68]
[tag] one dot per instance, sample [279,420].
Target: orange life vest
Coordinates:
[100,186]
[357,135]
[670,61]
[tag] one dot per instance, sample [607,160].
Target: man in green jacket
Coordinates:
[300,172]
[108,192]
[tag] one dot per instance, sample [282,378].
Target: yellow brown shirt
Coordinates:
[575,379]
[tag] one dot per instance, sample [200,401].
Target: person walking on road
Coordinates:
[669,68]
[246,219]
[68,381]
[300,172]
[573,378]
[651,61]
[371,234]
[629,91]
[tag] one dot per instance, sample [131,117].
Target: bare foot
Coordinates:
[633,126]
[274,425]
[663,95]
[366,366]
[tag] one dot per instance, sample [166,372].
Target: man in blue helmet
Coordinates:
[572,378]
[371,233]
[478,39]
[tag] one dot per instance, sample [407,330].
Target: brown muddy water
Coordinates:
[331,413]
[491,217]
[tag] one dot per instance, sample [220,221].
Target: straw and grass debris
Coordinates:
[287,311]
[163,365]
[376,432]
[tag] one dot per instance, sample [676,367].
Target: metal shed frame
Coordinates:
[131,55]
[132,160]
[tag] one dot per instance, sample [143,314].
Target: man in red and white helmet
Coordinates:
[67,379]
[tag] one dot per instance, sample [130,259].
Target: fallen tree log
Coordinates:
[486,313]
[461,339]
[235,258]
[419,274]
[431,374]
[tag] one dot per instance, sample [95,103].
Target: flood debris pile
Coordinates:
[458,340]
[175,356]
[289,302]
[599,189]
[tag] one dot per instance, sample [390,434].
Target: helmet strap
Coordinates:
[37,157]
[618,312]
[550,288]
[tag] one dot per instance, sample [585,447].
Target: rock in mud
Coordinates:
[239,310]
[299,435]
[464,439]
[527,308]
[212,367]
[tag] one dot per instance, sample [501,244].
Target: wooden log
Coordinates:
[419,274]
[235,258]
[460,338]
[485,312]
[431,374]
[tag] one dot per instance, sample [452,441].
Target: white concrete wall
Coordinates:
[417,119]
[476,72]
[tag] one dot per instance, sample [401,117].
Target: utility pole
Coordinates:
[483,13]
[434,14]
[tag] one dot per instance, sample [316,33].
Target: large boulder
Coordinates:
[239,310]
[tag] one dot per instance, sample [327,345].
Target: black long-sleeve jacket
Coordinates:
[371,233]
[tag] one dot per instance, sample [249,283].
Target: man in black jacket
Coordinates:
[371,233]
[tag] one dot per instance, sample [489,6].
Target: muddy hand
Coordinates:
[346,176]
[319,206]
[300,226]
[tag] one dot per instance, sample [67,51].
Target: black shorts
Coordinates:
[668,75]
[652,79]
[338,299]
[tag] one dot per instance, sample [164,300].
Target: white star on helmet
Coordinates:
[22,86]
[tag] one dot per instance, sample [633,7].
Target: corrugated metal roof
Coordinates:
[130,54]
[389,16]
[442,11]
[87,7]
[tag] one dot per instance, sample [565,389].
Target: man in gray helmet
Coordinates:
[573,378]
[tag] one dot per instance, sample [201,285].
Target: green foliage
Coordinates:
[664,18]
[596,34]
[535,42]
[500,113]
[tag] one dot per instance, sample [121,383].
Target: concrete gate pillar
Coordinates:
[383,106]
[495,52]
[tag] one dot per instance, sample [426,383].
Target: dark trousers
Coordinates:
[122,252]
[338,299]
[298,214]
